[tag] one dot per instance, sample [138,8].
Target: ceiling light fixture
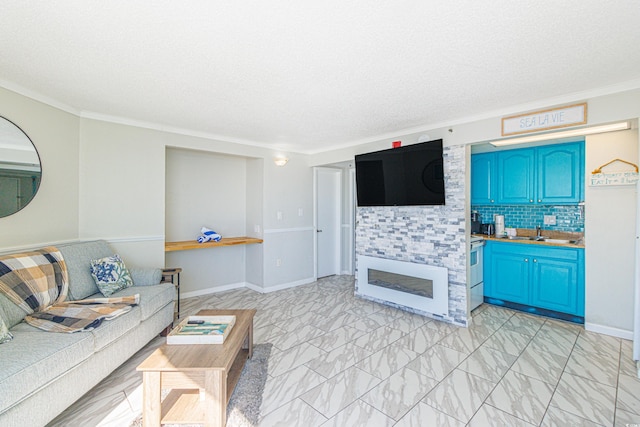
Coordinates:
[562,134]
[280,160]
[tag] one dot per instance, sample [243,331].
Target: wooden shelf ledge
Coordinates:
[225,241]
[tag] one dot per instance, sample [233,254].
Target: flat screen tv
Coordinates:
[406,176]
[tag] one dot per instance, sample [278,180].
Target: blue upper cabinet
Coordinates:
[560,172]
[547,175]
[483,179]
[516,177]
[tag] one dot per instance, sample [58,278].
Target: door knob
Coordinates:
[318,231]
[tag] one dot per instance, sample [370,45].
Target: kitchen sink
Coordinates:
[559,241]
[542,239]
[537,239]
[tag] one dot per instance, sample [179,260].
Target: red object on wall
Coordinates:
[396,144]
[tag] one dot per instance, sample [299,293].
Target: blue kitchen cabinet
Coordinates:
[559,281]
[516,177]
[511,280]
[560,172]
[547,175]
[537,276]
[483,179]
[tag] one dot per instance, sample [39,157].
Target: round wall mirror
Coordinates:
[20,170]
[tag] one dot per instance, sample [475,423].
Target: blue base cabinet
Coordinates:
[547,277]
[511,280]
[558,283]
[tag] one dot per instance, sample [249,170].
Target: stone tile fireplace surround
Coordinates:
[431,235]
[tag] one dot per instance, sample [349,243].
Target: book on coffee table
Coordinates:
[202,330]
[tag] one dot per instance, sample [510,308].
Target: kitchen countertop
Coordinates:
[523,232]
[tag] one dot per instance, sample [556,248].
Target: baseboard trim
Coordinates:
[608,330]
[288,285]
[253,287]
[213,290]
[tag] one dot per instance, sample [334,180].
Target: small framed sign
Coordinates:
[552,118]
[601,179]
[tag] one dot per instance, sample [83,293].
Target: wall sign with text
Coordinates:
[599,178]
[552,118]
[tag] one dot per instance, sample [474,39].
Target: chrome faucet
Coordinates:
[538,231]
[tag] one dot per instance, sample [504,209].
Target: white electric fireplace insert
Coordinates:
[418,286]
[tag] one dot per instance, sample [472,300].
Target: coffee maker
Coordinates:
[476,223]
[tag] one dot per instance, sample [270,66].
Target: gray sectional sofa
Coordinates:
[42,373]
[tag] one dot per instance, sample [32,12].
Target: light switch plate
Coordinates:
[549,220]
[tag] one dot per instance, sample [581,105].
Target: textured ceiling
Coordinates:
[308,77]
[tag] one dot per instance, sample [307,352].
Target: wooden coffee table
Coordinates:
[201,376]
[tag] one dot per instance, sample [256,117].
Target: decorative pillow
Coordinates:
[5,335]
[110,274]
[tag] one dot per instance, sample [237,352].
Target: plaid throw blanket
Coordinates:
[82,315]
[38,283]
[34,280]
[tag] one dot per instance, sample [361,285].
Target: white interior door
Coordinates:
[328,224]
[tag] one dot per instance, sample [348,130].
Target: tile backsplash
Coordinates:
[568,218]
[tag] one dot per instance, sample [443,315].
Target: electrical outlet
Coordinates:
[278,262]
[549,220]
[279,215]
[300,212]
[256,228]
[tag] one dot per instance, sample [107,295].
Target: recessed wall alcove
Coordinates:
[224,193]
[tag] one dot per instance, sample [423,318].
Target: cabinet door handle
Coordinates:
[535,260]
[491,200]
[539,200]
[530,200]
[526,260]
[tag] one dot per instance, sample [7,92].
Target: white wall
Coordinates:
[290,239]
[347,262]
[254,268]
[122,189]
[610,225]
[52,216]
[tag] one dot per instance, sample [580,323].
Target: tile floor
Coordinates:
[338,360]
